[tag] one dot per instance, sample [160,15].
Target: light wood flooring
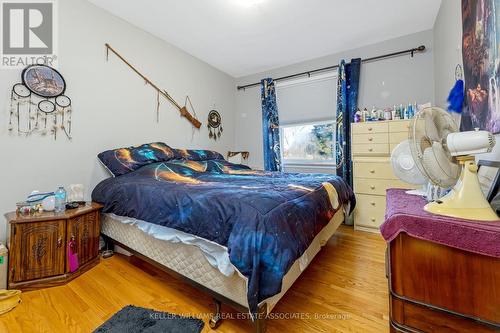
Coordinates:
[344,289]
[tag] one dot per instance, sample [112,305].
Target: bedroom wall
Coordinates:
[447,48]
[112,106]
[382,83]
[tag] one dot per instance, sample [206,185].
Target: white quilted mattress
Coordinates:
[190,258]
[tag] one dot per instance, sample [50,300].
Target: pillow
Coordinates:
[123,160]
[198,155]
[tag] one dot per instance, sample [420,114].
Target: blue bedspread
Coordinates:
[266,220]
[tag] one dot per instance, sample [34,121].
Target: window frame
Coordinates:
[308,163]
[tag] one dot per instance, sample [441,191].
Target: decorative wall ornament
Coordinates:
[214,124]
[37,105]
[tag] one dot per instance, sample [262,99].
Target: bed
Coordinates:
[243,236]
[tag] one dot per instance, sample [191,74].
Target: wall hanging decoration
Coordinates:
[182,109]
[38,103]
[456,96]
[214,125]
[480,51]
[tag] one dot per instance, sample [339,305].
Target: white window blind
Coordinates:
[307,100]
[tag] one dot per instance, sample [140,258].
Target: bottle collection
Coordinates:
[395,113]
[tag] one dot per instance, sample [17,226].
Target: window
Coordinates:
[308,143]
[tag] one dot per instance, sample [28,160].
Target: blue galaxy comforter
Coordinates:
[265,219]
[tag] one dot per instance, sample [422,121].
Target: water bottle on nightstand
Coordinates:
[60,205]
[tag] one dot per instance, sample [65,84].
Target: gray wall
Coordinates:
[447,48]
[383,83]
[112,106]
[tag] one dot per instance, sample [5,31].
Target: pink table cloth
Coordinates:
[405,213]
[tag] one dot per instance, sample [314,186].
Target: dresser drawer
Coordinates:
[370,127]
[370,210]
[377,186]
[398,137]
[373,149]
[399,126]
[377,170]
[370,138]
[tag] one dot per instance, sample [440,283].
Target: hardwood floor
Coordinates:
[343,290]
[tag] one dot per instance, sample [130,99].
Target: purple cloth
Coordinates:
[405,213]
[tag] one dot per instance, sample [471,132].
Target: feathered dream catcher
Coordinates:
[214,125]
[38,103]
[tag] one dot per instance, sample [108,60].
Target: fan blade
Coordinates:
[439,166]
[404,165]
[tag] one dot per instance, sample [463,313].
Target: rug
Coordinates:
[133,319]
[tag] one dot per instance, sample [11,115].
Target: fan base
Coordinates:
[466,201]
[480,214]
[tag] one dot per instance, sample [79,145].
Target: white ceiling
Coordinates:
[242,37]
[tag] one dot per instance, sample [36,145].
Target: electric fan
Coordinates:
[446,157]
[404,168]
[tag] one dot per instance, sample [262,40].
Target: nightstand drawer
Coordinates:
[358,139]
[399,126]
[370,210]
[376,170]
[374,149]
[370,127]
[378,186]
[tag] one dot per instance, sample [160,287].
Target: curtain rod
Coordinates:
[421,48]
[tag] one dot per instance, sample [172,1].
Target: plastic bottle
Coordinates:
[409,109]
[60,195]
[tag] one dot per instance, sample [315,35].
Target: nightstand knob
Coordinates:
[373,219]
[370,139]
[370,149]
[372,171]
[59,241]
[372,187]
[370,128]
[372,203]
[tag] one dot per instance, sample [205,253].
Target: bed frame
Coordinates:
[259,322]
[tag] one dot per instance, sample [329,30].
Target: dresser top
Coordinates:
[382,121]
[12,217]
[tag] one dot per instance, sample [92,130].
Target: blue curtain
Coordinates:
[347,102]
[270,126]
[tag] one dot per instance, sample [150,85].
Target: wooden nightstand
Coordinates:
[38,246]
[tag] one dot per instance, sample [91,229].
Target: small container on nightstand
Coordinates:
[38,246]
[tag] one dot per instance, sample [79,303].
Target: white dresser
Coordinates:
[372,144]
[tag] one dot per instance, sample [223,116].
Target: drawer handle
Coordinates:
[370,128]
[59,241]
[372,203]
[373,219]
[372,171]
[372,187]
[370,149]
[370,139]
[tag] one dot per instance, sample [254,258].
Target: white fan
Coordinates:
[444,155]
[404,168]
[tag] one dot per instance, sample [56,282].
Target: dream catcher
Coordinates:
[38,104]
[214,125]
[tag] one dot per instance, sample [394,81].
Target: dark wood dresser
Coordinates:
[38,246]
[444,273]
[436,288]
